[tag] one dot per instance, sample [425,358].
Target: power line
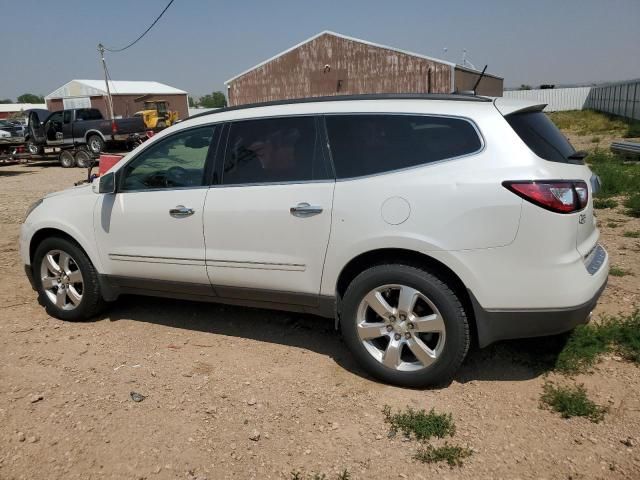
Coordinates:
[115,50]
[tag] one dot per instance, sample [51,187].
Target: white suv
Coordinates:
[420,222]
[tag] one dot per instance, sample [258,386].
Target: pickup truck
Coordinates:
[80,126]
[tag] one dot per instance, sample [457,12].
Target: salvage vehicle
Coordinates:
[14,128]
[420,223]
[81,126]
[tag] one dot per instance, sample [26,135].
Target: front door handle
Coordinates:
[181,211]
[305,210]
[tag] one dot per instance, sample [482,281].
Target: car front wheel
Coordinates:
[66,280]
[405,326]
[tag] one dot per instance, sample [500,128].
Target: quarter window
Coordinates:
[175,162]
[273,150]
[369,144]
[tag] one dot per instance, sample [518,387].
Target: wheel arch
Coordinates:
[412,258]
[48,232]
[90,133]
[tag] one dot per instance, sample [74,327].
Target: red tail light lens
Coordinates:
[560,196]
[114,127]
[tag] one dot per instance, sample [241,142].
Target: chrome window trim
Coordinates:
[271,184]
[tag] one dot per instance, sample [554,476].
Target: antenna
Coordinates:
[479,78]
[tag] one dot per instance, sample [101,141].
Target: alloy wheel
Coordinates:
[401,327]
[61,279]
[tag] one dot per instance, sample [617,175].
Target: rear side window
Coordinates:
[88,114]
[370,144]
[541,136]
[273,150]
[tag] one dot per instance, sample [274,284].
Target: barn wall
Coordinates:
[354,68]
[489,85]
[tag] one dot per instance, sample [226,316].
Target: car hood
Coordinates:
[84,189]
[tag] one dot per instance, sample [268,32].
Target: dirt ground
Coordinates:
[214,376]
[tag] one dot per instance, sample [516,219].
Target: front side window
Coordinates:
[369,144]
[174,162]
[273,150]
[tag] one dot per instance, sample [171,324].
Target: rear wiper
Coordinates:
[577,157]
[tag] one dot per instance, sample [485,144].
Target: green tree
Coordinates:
[215,100]
[525,87]
[30,98]
[192,102]
[6,100]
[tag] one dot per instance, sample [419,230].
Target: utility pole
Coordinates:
[106,81]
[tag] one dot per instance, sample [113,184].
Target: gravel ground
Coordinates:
[246,393]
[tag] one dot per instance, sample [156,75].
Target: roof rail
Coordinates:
[365,96]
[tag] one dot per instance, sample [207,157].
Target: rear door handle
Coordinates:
[305,210]
[181,211]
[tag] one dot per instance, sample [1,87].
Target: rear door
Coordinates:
[67,127]
[267,221]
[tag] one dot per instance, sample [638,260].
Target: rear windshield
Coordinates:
[541,136]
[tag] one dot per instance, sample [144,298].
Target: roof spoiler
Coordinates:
[507,106]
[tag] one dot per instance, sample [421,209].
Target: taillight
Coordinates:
[560,196]
[114,127]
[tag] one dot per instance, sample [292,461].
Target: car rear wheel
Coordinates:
[66,281]
[67,160]
[405,326]
[95,144]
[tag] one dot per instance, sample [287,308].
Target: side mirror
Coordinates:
[105,184]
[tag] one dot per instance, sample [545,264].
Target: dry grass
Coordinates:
[589,122]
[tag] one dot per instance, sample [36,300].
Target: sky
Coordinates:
[199,44]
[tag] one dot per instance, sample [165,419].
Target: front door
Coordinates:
[151,228]
[53,129]
[267,222]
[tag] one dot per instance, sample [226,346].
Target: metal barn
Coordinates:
[128,96]
[333,64]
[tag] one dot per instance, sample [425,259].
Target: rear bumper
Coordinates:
[124,137]
[495,325]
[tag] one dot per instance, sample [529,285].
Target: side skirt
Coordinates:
[114,286]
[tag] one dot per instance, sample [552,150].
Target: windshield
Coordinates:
[541,136]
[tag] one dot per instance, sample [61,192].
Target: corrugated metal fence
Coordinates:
[557,99]
[622,98]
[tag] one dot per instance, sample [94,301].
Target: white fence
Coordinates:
[557,99]
[622,99]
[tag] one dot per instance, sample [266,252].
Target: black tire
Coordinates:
[67,160]
[95,144]
[457,337]
[83,159]
[91,302]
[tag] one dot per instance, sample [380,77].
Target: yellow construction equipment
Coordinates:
[156,116]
